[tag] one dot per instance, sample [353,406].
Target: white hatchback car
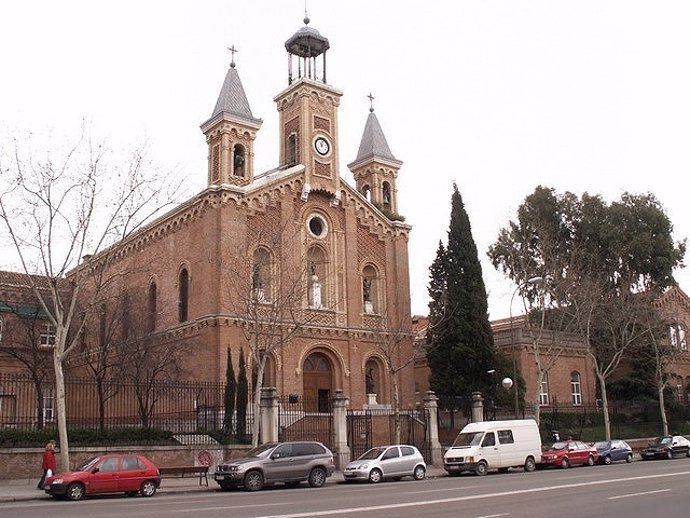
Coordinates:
[390,462]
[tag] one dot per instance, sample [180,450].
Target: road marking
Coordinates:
[494,515]
[465,498]
[639,494]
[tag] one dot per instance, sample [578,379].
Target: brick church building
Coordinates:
[294,261]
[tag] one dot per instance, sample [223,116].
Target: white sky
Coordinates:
[498,96]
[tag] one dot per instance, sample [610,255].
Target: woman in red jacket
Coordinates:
[48,463]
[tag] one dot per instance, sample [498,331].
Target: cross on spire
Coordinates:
[232,50]
[371,102]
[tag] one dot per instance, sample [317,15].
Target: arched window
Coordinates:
[261,275]
[152,306]
[292,150]
[387,195]
[369,289]
[317,297]
[677,337]
[318,383]
[575,388]
[239,160]
[183,302]
[544,390]
[366,192]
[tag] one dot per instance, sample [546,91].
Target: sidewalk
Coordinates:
[21,490]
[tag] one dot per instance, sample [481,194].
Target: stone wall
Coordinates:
[20,463]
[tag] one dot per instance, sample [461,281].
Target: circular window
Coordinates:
[317,226]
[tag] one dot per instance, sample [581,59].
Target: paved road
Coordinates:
[640,489]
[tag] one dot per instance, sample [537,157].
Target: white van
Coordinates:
[499,445]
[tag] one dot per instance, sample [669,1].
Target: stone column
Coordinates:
[431,408]
[477,407]
[342,450]
[268,431]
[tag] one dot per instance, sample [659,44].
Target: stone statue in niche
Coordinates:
[315,287]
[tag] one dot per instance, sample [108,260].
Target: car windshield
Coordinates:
[602,445]
[559,446]
[88,465]
[261,451]
[372,454]
[468,439]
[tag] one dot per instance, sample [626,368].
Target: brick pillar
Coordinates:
[477,407]
[342,450]
[268,432]
[431,407]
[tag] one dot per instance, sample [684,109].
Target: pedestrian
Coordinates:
[48,463]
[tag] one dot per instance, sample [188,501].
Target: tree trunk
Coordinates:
[662,407]
[257,402]
[537,406]
[605,406]
[101,405]
[396,408]
[61,403]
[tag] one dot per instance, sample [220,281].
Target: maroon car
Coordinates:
[126,473]
[569,453]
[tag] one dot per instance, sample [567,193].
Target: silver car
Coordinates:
[287,462]
[391,462]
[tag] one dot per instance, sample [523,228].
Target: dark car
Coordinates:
[278,462]
[129,474]
[612,451]
[667,447]
[569,453]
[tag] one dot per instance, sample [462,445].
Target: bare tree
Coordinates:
[57,209]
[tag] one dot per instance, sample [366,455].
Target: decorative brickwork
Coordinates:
[322,123]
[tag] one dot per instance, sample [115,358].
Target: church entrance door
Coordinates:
[318,383]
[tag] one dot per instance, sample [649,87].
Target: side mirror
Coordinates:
[95,470]
[275,456]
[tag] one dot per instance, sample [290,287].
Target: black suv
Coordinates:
[286,462]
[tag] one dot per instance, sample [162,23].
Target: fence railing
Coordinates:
[179,407]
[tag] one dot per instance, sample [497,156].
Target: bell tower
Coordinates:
[308,110]
[230,133]
[376,169]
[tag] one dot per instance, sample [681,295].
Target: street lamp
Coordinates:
[531,280]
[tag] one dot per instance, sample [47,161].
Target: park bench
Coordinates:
[185,471]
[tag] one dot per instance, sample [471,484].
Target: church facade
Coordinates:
[294,264]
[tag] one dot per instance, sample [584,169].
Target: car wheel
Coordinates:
[669,454]
[375,476]
[253,480]
[590,461]
[419,473]
[687,453]
[75,491]
[629,458]
[317,477]
[148,488]
[607,460]
[481,469]
[530,465]
[565,463]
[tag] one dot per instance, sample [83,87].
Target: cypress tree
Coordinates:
[242,399]
[461,346]
[229,396]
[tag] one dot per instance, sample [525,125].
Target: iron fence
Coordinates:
[181,408]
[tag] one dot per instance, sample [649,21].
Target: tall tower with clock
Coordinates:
[308,110]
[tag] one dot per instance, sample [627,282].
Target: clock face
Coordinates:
[322,146]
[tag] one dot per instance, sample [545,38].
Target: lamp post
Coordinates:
[531,280]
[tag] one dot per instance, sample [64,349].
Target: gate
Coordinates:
[299,419]
[376,427]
